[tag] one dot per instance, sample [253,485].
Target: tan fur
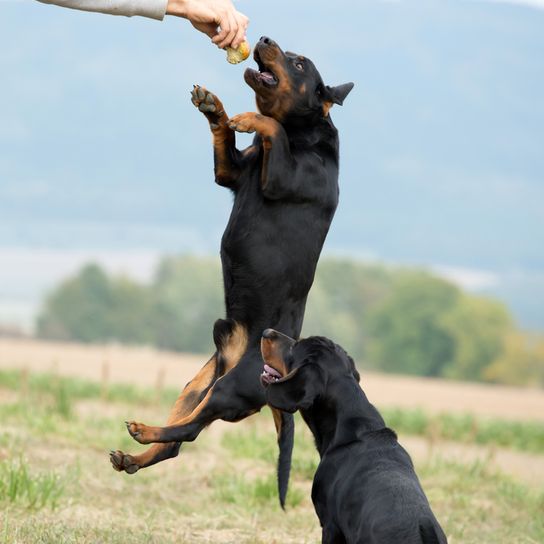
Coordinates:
[234,347]
[327,108]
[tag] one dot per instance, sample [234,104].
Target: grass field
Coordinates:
[56,484]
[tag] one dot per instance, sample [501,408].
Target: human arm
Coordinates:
[216,18]
[154,9]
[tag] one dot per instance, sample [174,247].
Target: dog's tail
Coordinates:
[429,533]
[285,429]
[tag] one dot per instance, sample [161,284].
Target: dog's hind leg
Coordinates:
[231,342]
[235,394]
[224,400]
[184,405]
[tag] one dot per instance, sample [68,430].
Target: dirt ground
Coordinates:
[149,367]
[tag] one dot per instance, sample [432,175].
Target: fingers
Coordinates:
[228,28]
[233,27]
[210,29]
[216,18]
[243,21]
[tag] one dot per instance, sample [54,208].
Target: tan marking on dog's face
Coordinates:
[277,101]
[271,353]
[327,108]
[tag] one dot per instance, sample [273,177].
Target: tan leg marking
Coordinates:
[264,126]
[183,407]
[235,347]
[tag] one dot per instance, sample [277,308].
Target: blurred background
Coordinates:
[432,276]
[434,263]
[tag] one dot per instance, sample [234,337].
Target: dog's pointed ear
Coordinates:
[338,94]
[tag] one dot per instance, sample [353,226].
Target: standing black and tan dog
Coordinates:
[365,489]
[285,190]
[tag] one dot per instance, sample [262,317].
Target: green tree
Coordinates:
[521,362]
[343,294]
[408,333]
[478,327]
[91,307]
[187,299]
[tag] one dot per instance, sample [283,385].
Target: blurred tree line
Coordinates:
[393,320]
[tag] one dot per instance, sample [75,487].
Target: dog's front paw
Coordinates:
[122,462]
[206,101]
[244,122]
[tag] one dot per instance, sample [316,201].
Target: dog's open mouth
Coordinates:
[265,75]
[270,375]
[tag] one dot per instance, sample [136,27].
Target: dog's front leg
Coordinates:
[278,163]
[225,155]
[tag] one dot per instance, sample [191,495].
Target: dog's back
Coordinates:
[371,490]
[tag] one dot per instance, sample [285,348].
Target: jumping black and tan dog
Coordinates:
[365,489]
[285,190]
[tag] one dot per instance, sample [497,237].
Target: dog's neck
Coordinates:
[311,134]
[341,415]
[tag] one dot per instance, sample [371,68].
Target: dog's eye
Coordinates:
[299,66]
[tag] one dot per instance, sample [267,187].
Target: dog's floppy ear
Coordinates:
[299,391]
[353,368]
[338,94]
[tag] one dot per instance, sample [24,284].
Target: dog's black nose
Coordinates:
[266,40]
[270,334]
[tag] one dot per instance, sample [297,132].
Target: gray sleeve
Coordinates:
[155,9]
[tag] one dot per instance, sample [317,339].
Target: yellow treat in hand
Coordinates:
[241,53]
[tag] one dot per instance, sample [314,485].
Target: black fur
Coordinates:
[285,190]
[365,488]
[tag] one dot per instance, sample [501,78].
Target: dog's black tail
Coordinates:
[285,429]
[429,534]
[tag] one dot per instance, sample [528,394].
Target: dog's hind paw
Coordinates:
[122,462]
[140,432]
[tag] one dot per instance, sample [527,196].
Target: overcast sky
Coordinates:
[103,156]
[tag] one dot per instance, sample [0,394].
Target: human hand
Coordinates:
[216,18]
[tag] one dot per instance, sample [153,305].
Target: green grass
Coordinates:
[257,440]
[78,389]
[523,436]
[261,491]
[34,490]
[56,485]
[479,504]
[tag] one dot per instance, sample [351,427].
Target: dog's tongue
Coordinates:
[272,371]
[268,77]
